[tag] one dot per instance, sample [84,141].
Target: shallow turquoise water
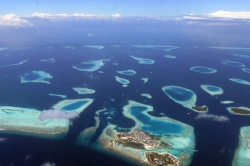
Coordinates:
[211,88]
[179,94]
[156,127]
[74,106]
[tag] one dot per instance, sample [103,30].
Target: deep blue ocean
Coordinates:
[216,142]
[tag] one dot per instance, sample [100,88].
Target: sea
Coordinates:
[67,43]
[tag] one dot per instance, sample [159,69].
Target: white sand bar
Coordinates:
[146,95]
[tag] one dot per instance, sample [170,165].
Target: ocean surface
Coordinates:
[215,141]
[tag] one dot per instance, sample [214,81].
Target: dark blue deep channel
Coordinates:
[156,127]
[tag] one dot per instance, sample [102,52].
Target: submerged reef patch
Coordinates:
[240,81]
[170,56]
[36,77]
[127,72]
[146,95]
[226,102]
[144,79]
[242,56]
[143,60]
[242,153]
[233,63]
[84,90]
[202,69]
[15,64]
[95,46]
[246,70]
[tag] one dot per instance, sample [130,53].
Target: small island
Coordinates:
[200,109]
[239,110]
[162,159]
[137,136]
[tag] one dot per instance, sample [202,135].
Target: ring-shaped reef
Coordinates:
[143,60]
[231,48]
[171,141]
[70,105]
[244,111]
[246,70]
[90,65]
[212,90]
[242,56]
[185,97]
[240,81]
[127,72]
[165,47]
[242,153]
[36,77]
[202,69]
[122,81]
[233,63]
[84,90]
[15,64]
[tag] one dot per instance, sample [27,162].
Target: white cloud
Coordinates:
[12,20]
[232,15]
[116,15]
[48,164]
[213,117]
[192,17]
[89,35]
[64,16]
[28,157]
[3,139]
[58,114]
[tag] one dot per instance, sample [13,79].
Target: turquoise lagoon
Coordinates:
[202,69]
[36,77]
[212,90]
[90,65]
[167,131]
[127,72]
[183,96]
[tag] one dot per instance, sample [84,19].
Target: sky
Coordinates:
[153,8]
